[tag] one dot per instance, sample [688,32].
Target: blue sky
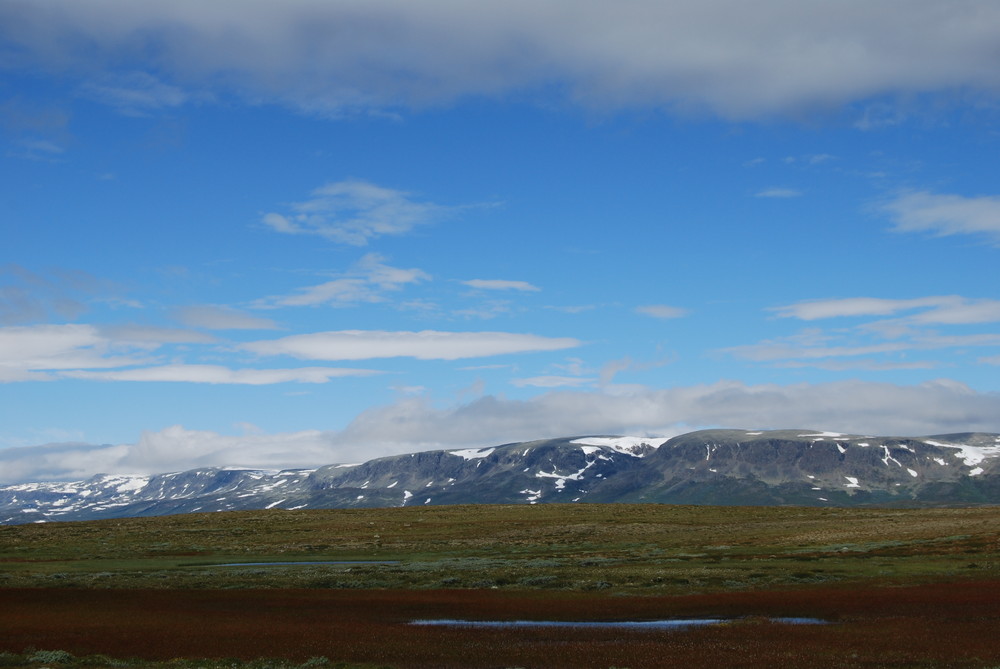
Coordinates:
[288,234]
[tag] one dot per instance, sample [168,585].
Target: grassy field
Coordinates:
[619,548]
[903,587]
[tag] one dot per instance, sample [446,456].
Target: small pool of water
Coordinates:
[628,624]
[302,563]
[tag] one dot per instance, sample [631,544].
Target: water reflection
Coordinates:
[629,624]
[301,563]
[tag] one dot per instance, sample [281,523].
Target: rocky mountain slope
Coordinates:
[798,467]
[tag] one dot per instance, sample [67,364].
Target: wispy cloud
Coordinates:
[215,317]
[778,193]
[134,93]
[911,329]
[31,352]
[368,281]
[663,311]
[38,133]
[425,345]
[552,381]
[923,211]
[217,374]
[941,309]
[355,212]
[151,336]
[30,296]
[500,284]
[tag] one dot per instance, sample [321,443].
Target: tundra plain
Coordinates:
[898,587]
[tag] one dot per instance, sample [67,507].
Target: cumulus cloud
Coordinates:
[425,345]
[734,58]
[941,214]
[500,284]
[354,212]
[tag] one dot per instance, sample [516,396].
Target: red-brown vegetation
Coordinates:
[944,624]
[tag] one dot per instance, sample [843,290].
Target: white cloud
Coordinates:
[31,352]
[425,345]
[177,448]
[854,306]
[661,311]
[500,284]
[876,338]
[368,281]
[213,317]
[937,309]
[413,423]
[779,193]
[355,212]
[47,352]
[735,58]
[217,374]
[63,462]
[853,406]
[922,211]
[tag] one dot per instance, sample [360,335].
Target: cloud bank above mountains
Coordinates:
[413,424]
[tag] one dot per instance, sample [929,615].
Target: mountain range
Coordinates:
[723,467]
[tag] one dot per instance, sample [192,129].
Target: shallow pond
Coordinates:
[627,624]
[302,563]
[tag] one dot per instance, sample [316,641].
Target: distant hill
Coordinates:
[722,467]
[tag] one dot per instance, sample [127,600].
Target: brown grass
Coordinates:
[940,625]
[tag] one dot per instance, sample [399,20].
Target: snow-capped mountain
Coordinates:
[801,467]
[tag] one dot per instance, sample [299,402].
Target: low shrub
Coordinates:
[51,657]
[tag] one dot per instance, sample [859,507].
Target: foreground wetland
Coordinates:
[898,587]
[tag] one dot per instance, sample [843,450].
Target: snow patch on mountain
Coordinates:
[472,453]
[634,446]
[971,455]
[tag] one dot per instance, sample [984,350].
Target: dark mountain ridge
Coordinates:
[724,467]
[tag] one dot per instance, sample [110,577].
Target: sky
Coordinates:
[287,234]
